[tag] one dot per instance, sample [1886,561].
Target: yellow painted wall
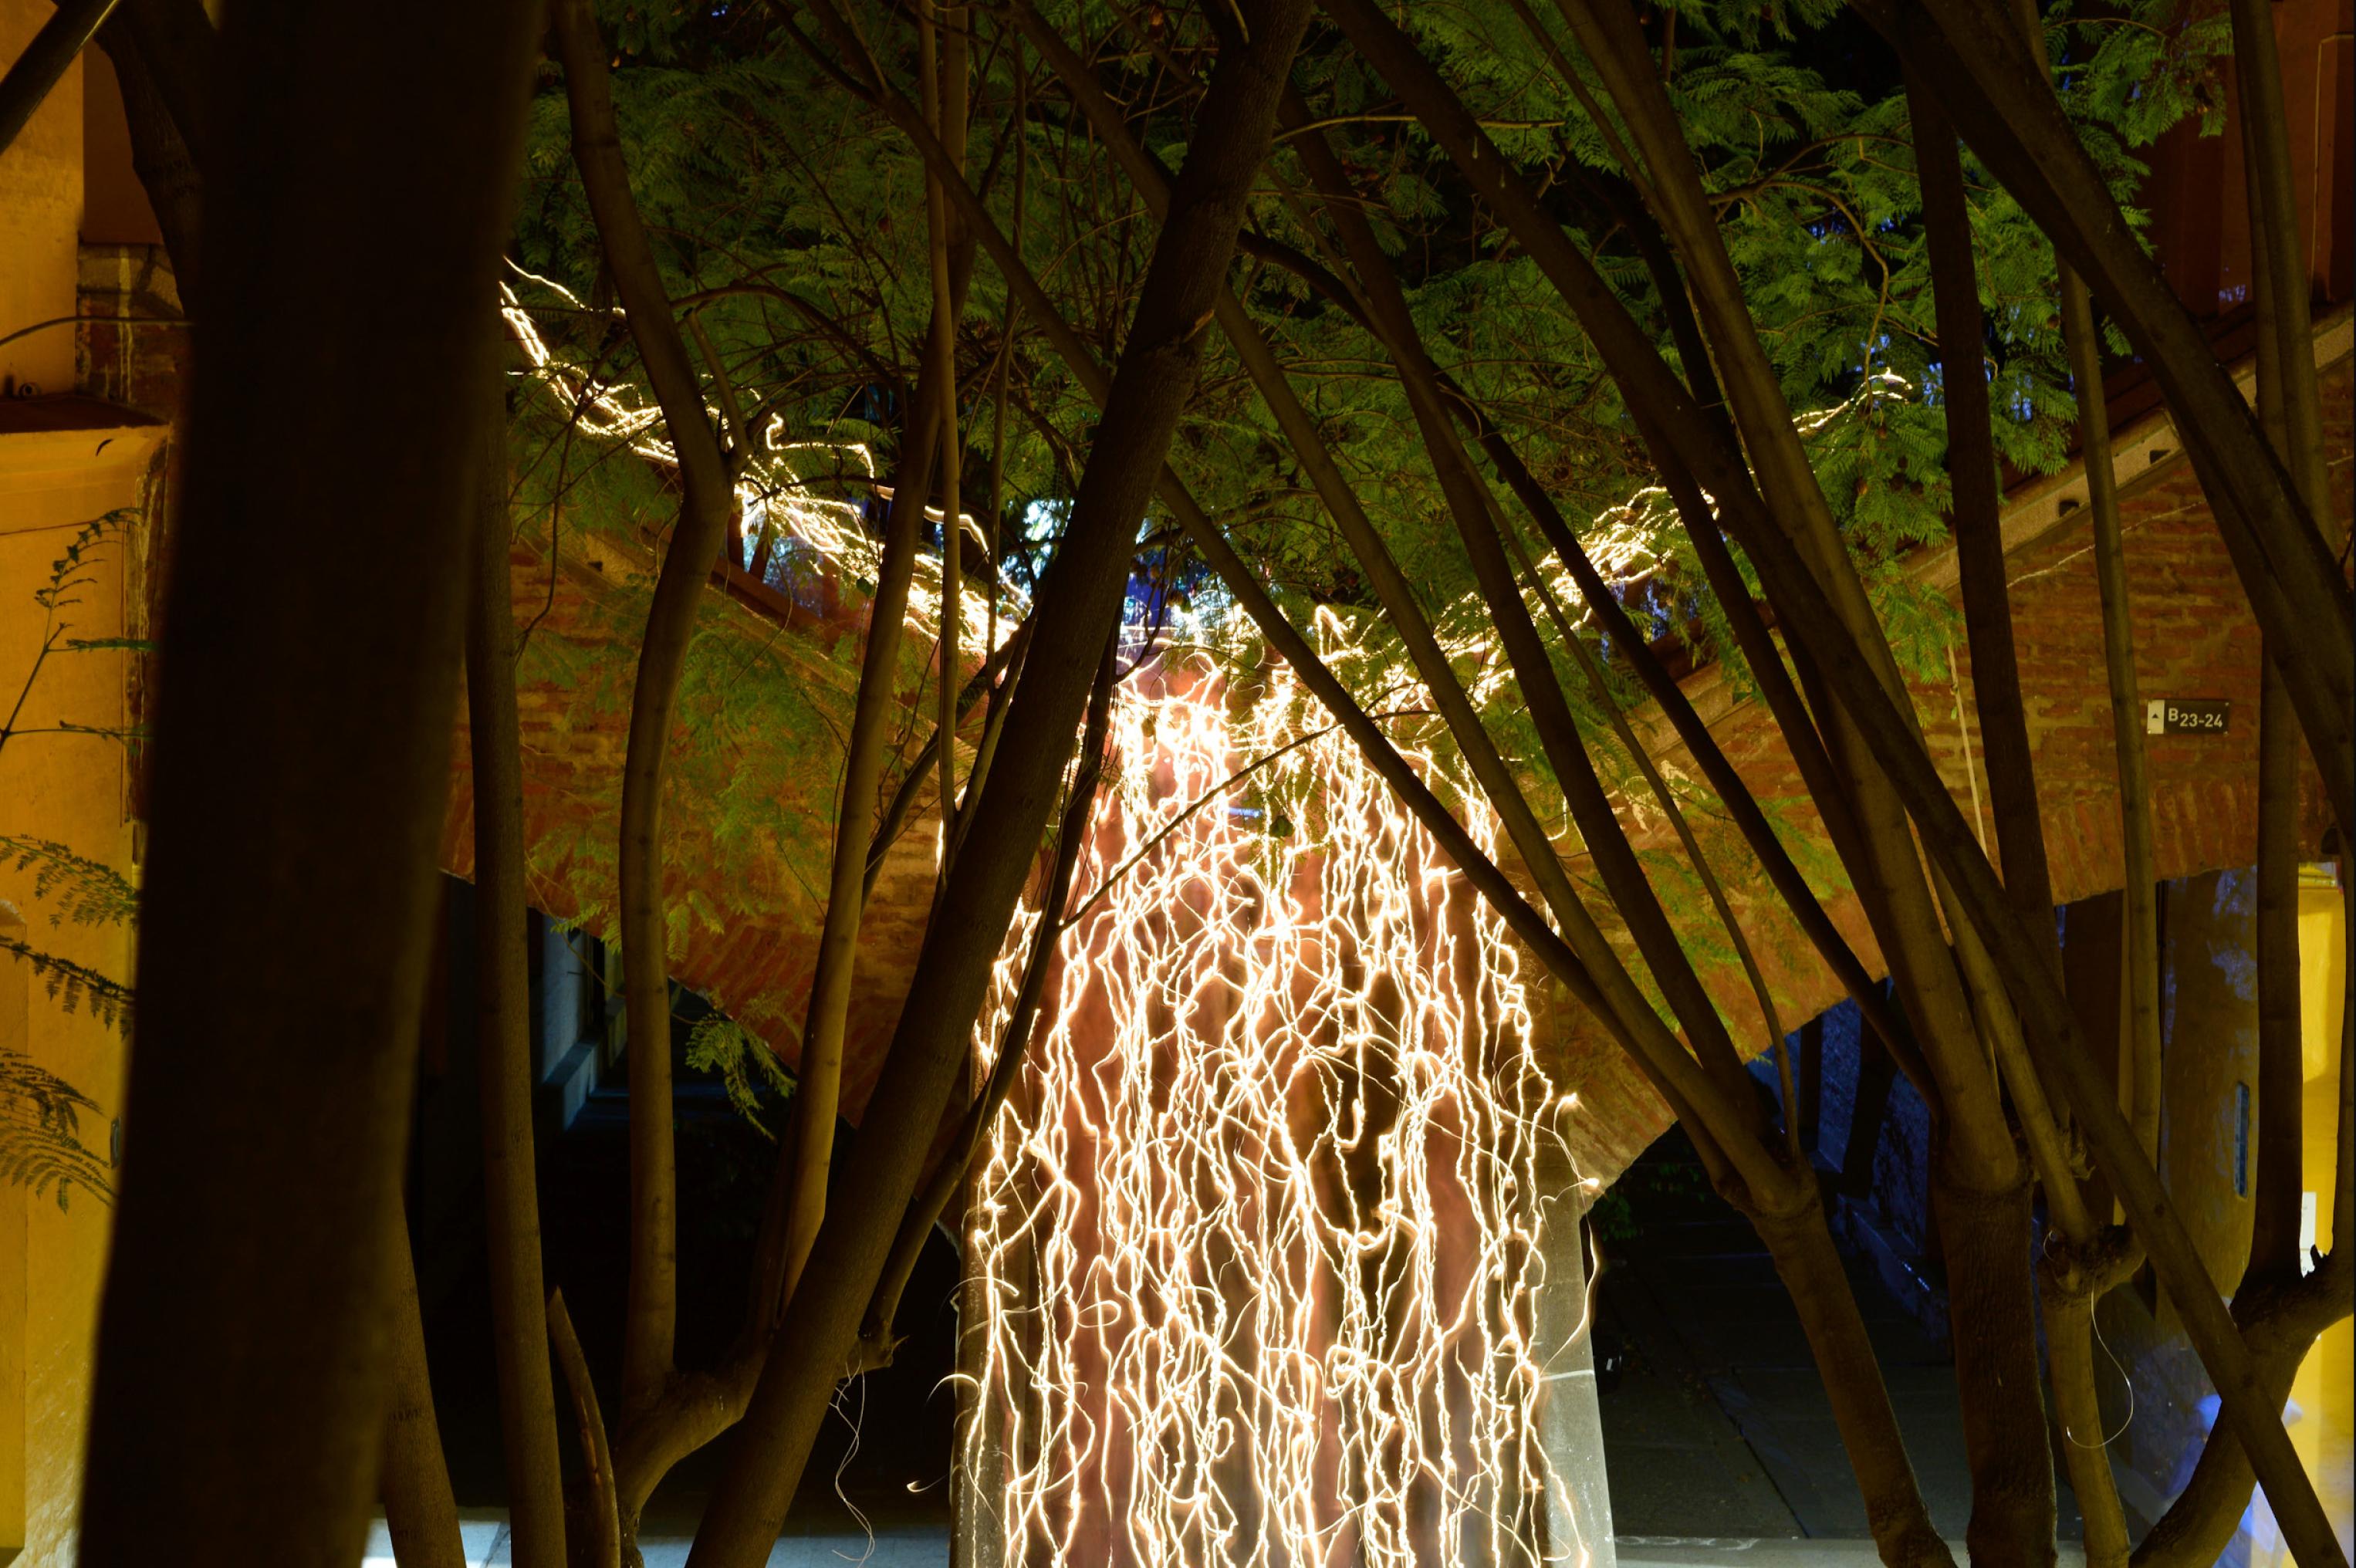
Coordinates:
[2323,1398]
[64,787]
[69,788]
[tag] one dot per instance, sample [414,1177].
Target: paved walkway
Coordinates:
[1718,1425]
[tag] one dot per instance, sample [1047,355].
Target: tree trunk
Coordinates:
[420,1513]
[1985,1240]
[950,1176]
[650,1329]
[2141,894]
[1975,513]
[160,158]
[309,676]
[1084,585]
[1813,1275]
[818,1095]
[503,1021]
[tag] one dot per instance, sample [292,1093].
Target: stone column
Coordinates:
[1570,1421]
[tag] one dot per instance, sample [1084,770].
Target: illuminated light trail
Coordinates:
[1258,1229]
[773,490]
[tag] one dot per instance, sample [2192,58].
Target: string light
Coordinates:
[1258,1234]
[776,486]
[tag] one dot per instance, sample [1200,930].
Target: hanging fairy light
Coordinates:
[1257,1234]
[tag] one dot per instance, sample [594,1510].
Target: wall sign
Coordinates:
[2186,715]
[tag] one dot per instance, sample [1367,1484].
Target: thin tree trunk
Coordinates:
[1085,584]
[1817,1282]
[2280,1311]
[503,1022]
[160,158]
[601,1536]
[1976,511]
[420,1512]
[2141,895]
[949,1174]
[817,1098]
[944,113]
[2281,305]
[696,1407]
[1006,662]
[282,954]
[650,1329]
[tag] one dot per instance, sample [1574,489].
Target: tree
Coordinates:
[1495,256]
[242,1370]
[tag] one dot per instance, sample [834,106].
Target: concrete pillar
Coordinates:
[1570,1417]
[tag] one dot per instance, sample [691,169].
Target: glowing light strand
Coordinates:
[1259,1227]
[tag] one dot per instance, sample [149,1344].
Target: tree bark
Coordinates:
[948,1177]
[420,1512]
[600,1534]
[295,703]
[1976,510]
[2141,894]
[650,1329]
[818,1096]
[1817,1282]
[503,1021]
[1985,1240]
[161,158]
[1085,584]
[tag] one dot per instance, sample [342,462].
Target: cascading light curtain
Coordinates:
[1256,1238]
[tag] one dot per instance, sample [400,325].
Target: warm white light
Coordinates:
[1242,1311]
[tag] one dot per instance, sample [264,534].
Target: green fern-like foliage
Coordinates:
[86,891]
[75,987]
[745,1066]
[40,1132]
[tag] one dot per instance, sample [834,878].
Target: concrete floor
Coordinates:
[1718,1427]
